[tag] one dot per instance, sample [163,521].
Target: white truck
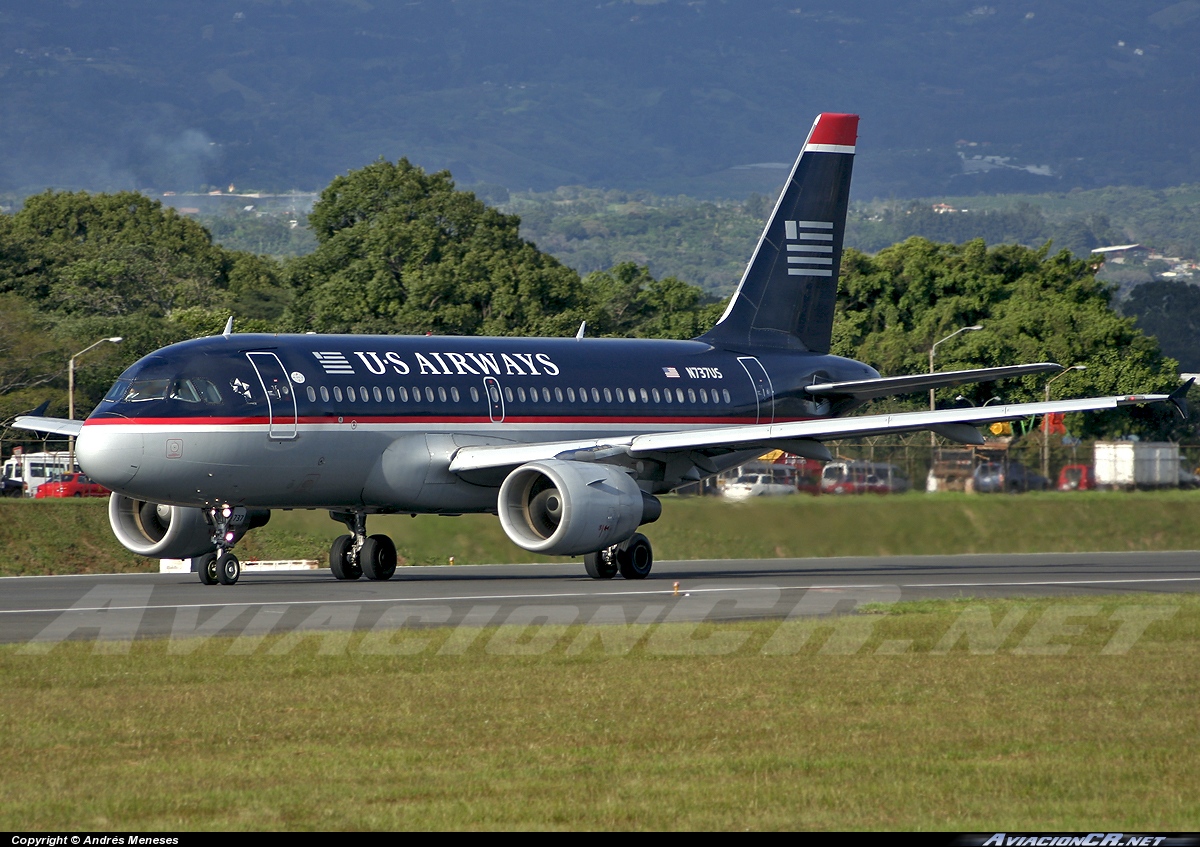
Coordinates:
[1137,464]
[24,472]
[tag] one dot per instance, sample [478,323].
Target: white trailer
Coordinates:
[1137,464]
[25,472]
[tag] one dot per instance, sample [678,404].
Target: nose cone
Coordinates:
[109,455]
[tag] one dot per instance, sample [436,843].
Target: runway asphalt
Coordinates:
[124,607]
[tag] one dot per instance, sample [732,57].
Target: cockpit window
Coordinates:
[117,391]
[147,389]
[195,390]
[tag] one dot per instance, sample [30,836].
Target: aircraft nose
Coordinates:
[108,455]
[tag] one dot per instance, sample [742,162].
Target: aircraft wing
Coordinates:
[955,423]
[56,426]
[867,389]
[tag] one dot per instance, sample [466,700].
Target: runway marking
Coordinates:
[602,594]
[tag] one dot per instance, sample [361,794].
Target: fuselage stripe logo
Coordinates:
[334,363]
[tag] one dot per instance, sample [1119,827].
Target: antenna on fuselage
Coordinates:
[228,327]
[582,328]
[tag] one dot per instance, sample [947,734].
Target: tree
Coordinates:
[1033,307]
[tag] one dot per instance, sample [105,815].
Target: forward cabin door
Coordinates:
[281,398]
[764,393]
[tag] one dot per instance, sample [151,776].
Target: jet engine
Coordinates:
[157,530]
[563,508]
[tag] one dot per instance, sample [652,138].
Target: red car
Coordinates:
[71,485]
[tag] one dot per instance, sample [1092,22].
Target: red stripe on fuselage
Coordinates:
[421,419]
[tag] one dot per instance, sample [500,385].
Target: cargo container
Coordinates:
[1136,464]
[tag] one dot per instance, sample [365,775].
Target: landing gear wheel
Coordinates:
[601,565]
[206,568]
[228,569]
[341,561]
[378,557]
[634,557]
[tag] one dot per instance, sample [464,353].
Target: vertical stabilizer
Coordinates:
[787,294]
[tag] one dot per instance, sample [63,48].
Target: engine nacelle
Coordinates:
[562,508]
[159,531]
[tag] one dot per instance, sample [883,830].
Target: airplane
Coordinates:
[567,440]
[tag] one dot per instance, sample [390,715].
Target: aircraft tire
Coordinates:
[378,558]
[635,557]
[206,568]
[340,563]
[600,566]
[229,569]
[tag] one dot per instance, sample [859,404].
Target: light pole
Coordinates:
[933,350]
[71,392]
[1046,421]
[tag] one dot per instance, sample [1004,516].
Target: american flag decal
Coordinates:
[334,363]
[671,372]
[815,247]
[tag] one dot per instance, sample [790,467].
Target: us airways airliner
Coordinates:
[567,440]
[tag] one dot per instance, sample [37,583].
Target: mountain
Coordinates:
[705,97]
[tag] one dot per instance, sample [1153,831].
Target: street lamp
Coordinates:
[71,391]
[932,350]
[1046,421]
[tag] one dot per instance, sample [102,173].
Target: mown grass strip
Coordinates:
[652,731]
[44,537]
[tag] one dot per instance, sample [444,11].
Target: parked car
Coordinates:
[1011,477]
[757,485]
[1076,478]
[862,478]
[71,485]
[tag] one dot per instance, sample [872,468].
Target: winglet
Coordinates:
[1178,398]
[582,330]
[228,327]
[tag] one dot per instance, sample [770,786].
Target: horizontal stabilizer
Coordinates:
[55,426]
[867,389]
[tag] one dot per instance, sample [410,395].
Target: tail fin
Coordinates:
[787,294]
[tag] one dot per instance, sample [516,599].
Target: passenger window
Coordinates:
[403,394]
[442,393]
[324,394]
[417,394]
[493,392]
[607,396]
[703,395]
[366,398]
[521,394]
[312,394]
[691,396]
[725,394]
[474,394]
[558,395]
[679,394]
[583,395]
[350,395]
[454,394]
[546,394]
[620,396]
[667,395]
[646,397]
[391,395]
[428,394]
[337,393]
[508,393]
[595,395]
[571,394]
[378,394]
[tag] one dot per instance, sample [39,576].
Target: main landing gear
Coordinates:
[358,554]
[632,558]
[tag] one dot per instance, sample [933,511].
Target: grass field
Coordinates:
[73,537]
[331,732]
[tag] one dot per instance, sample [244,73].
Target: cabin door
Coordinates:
[764,394]
[281,398]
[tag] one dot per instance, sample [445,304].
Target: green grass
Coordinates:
[649,736]
[73,537]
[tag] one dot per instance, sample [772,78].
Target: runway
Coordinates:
[37,610]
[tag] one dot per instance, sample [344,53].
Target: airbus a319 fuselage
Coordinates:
[567,440]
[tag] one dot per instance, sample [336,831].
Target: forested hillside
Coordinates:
[703,97]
